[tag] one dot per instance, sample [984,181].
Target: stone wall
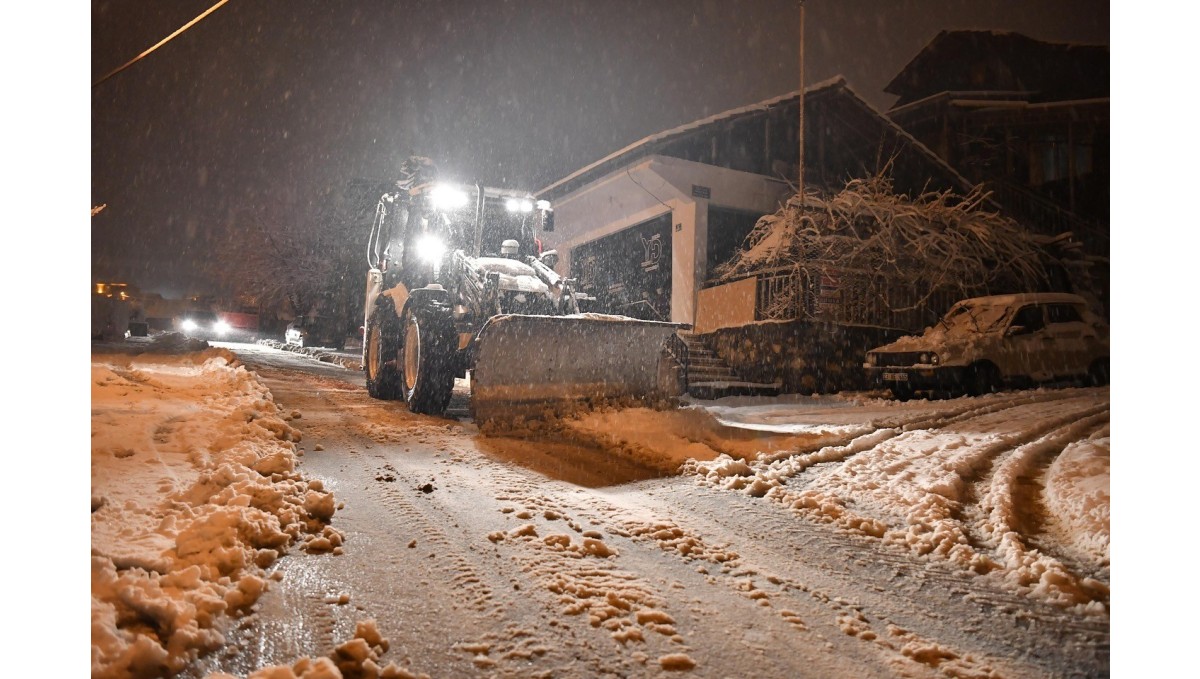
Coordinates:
[808,356]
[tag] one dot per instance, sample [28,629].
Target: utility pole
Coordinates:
[800,135]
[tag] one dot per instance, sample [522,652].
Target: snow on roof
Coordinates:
[995,35]
[764,105]
[836,83]
[1021,298]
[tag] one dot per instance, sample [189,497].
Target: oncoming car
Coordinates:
[984,344]
[204,325]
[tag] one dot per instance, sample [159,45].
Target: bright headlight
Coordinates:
[221,327]
[189,324]
[446,197]
[543,205]
[430,249]
[518,205]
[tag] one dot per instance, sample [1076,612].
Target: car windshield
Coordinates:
[981,317]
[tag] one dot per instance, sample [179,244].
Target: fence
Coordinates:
[846,297]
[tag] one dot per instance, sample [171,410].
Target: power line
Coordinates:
[162,42]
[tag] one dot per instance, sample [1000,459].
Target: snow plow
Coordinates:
[457,286]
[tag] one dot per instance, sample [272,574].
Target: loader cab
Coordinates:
[505,220]
[479,220]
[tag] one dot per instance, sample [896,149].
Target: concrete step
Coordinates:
[709,377]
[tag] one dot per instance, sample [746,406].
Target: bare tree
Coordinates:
[303,252]
[899,253]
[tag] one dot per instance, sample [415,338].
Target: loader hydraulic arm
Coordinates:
[473,294]
[562,288]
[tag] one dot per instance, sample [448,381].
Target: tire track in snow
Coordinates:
[909,485]
[881,593]
[554,563]
[403,534]
[1012,512]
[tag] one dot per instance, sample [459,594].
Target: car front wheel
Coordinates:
[982,378]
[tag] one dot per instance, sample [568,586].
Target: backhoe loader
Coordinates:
[458,287]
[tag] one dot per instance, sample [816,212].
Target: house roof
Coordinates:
[1045,71]
[832,90]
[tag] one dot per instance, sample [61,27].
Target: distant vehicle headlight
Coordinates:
[189,325]
[872,359]
[933,359]
[430,249]
[221,327]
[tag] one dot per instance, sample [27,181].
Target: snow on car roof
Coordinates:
[1026,297]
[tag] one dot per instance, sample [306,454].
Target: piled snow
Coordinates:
[358,657]
[667,439]
[1078,496]
[194,494]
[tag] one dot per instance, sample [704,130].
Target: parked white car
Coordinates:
[314,332]
[984,344]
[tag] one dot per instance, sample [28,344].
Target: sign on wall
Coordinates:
[629,272]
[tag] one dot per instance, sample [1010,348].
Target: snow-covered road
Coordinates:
[843,536]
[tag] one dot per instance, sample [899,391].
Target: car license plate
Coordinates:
[896,377]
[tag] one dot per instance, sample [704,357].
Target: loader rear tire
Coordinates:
[382,356]
[427,358]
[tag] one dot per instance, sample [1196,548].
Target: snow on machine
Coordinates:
[457,286]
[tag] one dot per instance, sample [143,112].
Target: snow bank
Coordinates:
[668,439]
[194,493]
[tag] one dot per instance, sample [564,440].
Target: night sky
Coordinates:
[272,103]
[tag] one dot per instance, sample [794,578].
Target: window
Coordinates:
[1062,313]
[1030,318]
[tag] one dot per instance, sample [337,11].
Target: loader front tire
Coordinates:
[427,358]
[382,357]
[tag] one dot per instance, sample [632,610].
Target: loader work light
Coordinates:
[430,249]
[518,205]
[446,197]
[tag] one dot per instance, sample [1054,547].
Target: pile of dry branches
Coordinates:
[938,242]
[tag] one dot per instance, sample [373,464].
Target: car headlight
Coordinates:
[189,324]
[933,359]
[430,249]
[221,327]
[872,359]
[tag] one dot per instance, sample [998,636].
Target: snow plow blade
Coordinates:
[532,366]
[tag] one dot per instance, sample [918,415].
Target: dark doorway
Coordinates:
[727,230]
